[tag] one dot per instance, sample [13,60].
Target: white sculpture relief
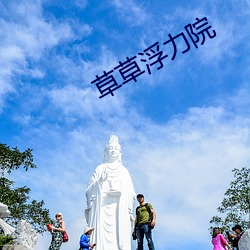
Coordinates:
[110,197]
[25,235]
[244,242]
[4,212]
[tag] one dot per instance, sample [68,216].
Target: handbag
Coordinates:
[49,227]
[65,236]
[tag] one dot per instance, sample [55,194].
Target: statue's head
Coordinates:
[113,150]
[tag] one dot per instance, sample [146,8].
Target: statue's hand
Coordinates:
[90,202]
[132,217]
[104,176]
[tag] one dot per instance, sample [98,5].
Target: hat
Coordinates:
[87,229]
[59,213]
[237,227]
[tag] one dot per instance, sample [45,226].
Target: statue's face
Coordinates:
[114,150]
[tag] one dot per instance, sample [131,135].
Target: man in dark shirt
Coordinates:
[239,231]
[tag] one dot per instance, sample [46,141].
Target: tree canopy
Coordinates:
[12,159]
[17,199]
[235,207]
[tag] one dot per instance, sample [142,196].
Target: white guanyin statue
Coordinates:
[110,198]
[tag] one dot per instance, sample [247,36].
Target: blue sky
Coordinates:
[182,128]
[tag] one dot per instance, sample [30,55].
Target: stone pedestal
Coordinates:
[13,247]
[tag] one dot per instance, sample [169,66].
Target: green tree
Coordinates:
[17,199]
[235,207]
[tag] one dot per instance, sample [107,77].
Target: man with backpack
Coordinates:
[144,223]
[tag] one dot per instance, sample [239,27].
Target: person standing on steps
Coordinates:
[85,239]
[144,223]
[56,231]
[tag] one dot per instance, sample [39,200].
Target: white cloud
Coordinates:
[85,102]
[105,62]
[80,3]
[223,45]
[82,72]
[131,12]
[239,101]
[32,33]
[25,35]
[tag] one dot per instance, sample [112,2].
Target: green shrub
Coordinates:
[6,240]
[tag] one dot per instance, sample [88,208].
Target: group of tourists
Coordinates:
[219,242]
[144,223]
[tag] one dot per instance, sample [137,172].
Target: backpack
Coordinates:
[149,212]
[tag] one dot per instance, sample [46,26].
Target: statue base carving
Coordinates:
[13,247]
[25,237]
